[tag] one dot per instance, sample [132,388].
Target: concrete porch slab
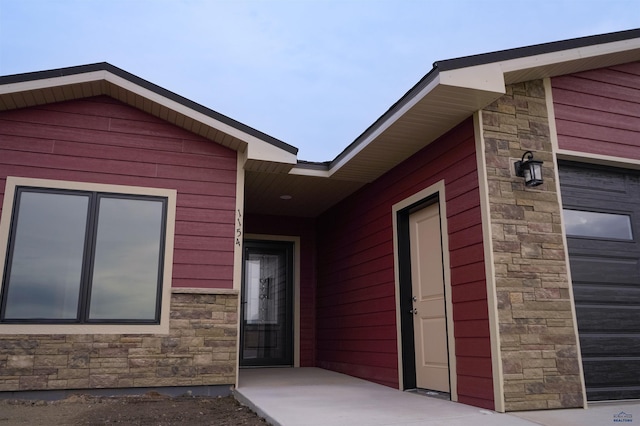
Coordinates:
[312,396]
[599,413]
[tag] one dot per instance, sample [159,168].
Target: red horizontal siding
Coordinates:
[472,328]
[360,320]
[356,305]
[466,255]
[476,390]
[384,376]
[469,291]
[101,140]
[598,111]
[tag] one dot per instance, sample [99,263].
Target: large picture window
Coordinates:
[76,256]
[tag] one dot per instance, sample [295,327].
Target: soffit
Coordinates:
[432,115]
[310,195]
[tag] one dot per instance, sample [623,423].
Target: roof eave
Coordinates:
[38,88]
[454,90]
[443,100]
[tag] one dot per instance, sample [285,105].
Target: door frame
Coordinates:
[402,267]
[295,240]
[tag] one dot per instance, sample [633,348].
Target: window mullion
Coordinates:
[10,244]
[161,260]
[88,258]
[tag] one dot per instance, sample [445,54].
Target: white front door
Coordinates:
[429,319]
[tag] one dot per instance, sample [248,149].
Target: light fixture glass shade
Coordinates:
[532,171]
[529,169]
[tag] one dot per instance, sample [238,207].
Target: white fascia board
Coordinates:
[53,82]
[257,149]
[487,78]
[585,52]
[301,171]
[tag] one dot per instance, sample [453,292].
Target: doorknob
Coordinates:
[413,311]
[414,299]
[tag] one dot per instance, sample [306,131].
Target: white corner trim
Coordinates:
[238,245]
[238,236]
[490,274]
[551,114]
[554,142]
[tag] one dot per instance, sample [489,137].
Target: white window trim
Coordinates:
[5,226]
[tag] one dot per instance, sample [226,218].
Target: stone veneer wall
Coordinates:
[200,349]
[538,340]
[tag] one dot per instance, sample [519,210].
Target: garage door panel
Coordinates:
[612,372]
[607,203]
[615,270]
[612,393]
[608,319]
[610,345]
[585,247]
[605,270]
[606,293]
[611,379]
[592,181]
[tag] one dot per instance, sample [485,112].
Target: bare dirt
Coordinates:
[149,409]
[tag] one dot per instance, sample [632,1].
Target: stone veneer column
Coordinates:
[200,350]
[539,353]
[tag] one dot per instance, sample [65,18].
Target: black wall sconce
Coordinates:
[529,169]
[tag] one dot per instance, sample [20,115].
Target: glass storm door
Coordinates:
[267,285]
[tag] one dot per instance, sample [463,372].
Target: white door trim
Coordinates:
[438,189]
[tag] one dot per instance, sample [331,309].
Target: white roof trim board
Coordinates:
[84,81]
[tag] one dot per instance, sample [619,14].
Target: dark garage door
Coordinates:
[602,220]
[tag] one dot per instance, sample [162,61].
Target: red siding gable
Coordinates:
[598,111]
[356,289]
[101,140]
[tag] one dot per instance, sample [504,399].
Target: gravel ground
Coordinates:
[149,409]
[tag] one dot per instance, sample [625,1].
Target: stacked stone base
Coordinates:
[200,350]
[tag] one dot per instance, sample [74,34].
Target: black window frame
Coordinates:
[88,256]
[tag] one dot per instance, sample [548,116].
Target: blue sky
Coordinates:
[313,73]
